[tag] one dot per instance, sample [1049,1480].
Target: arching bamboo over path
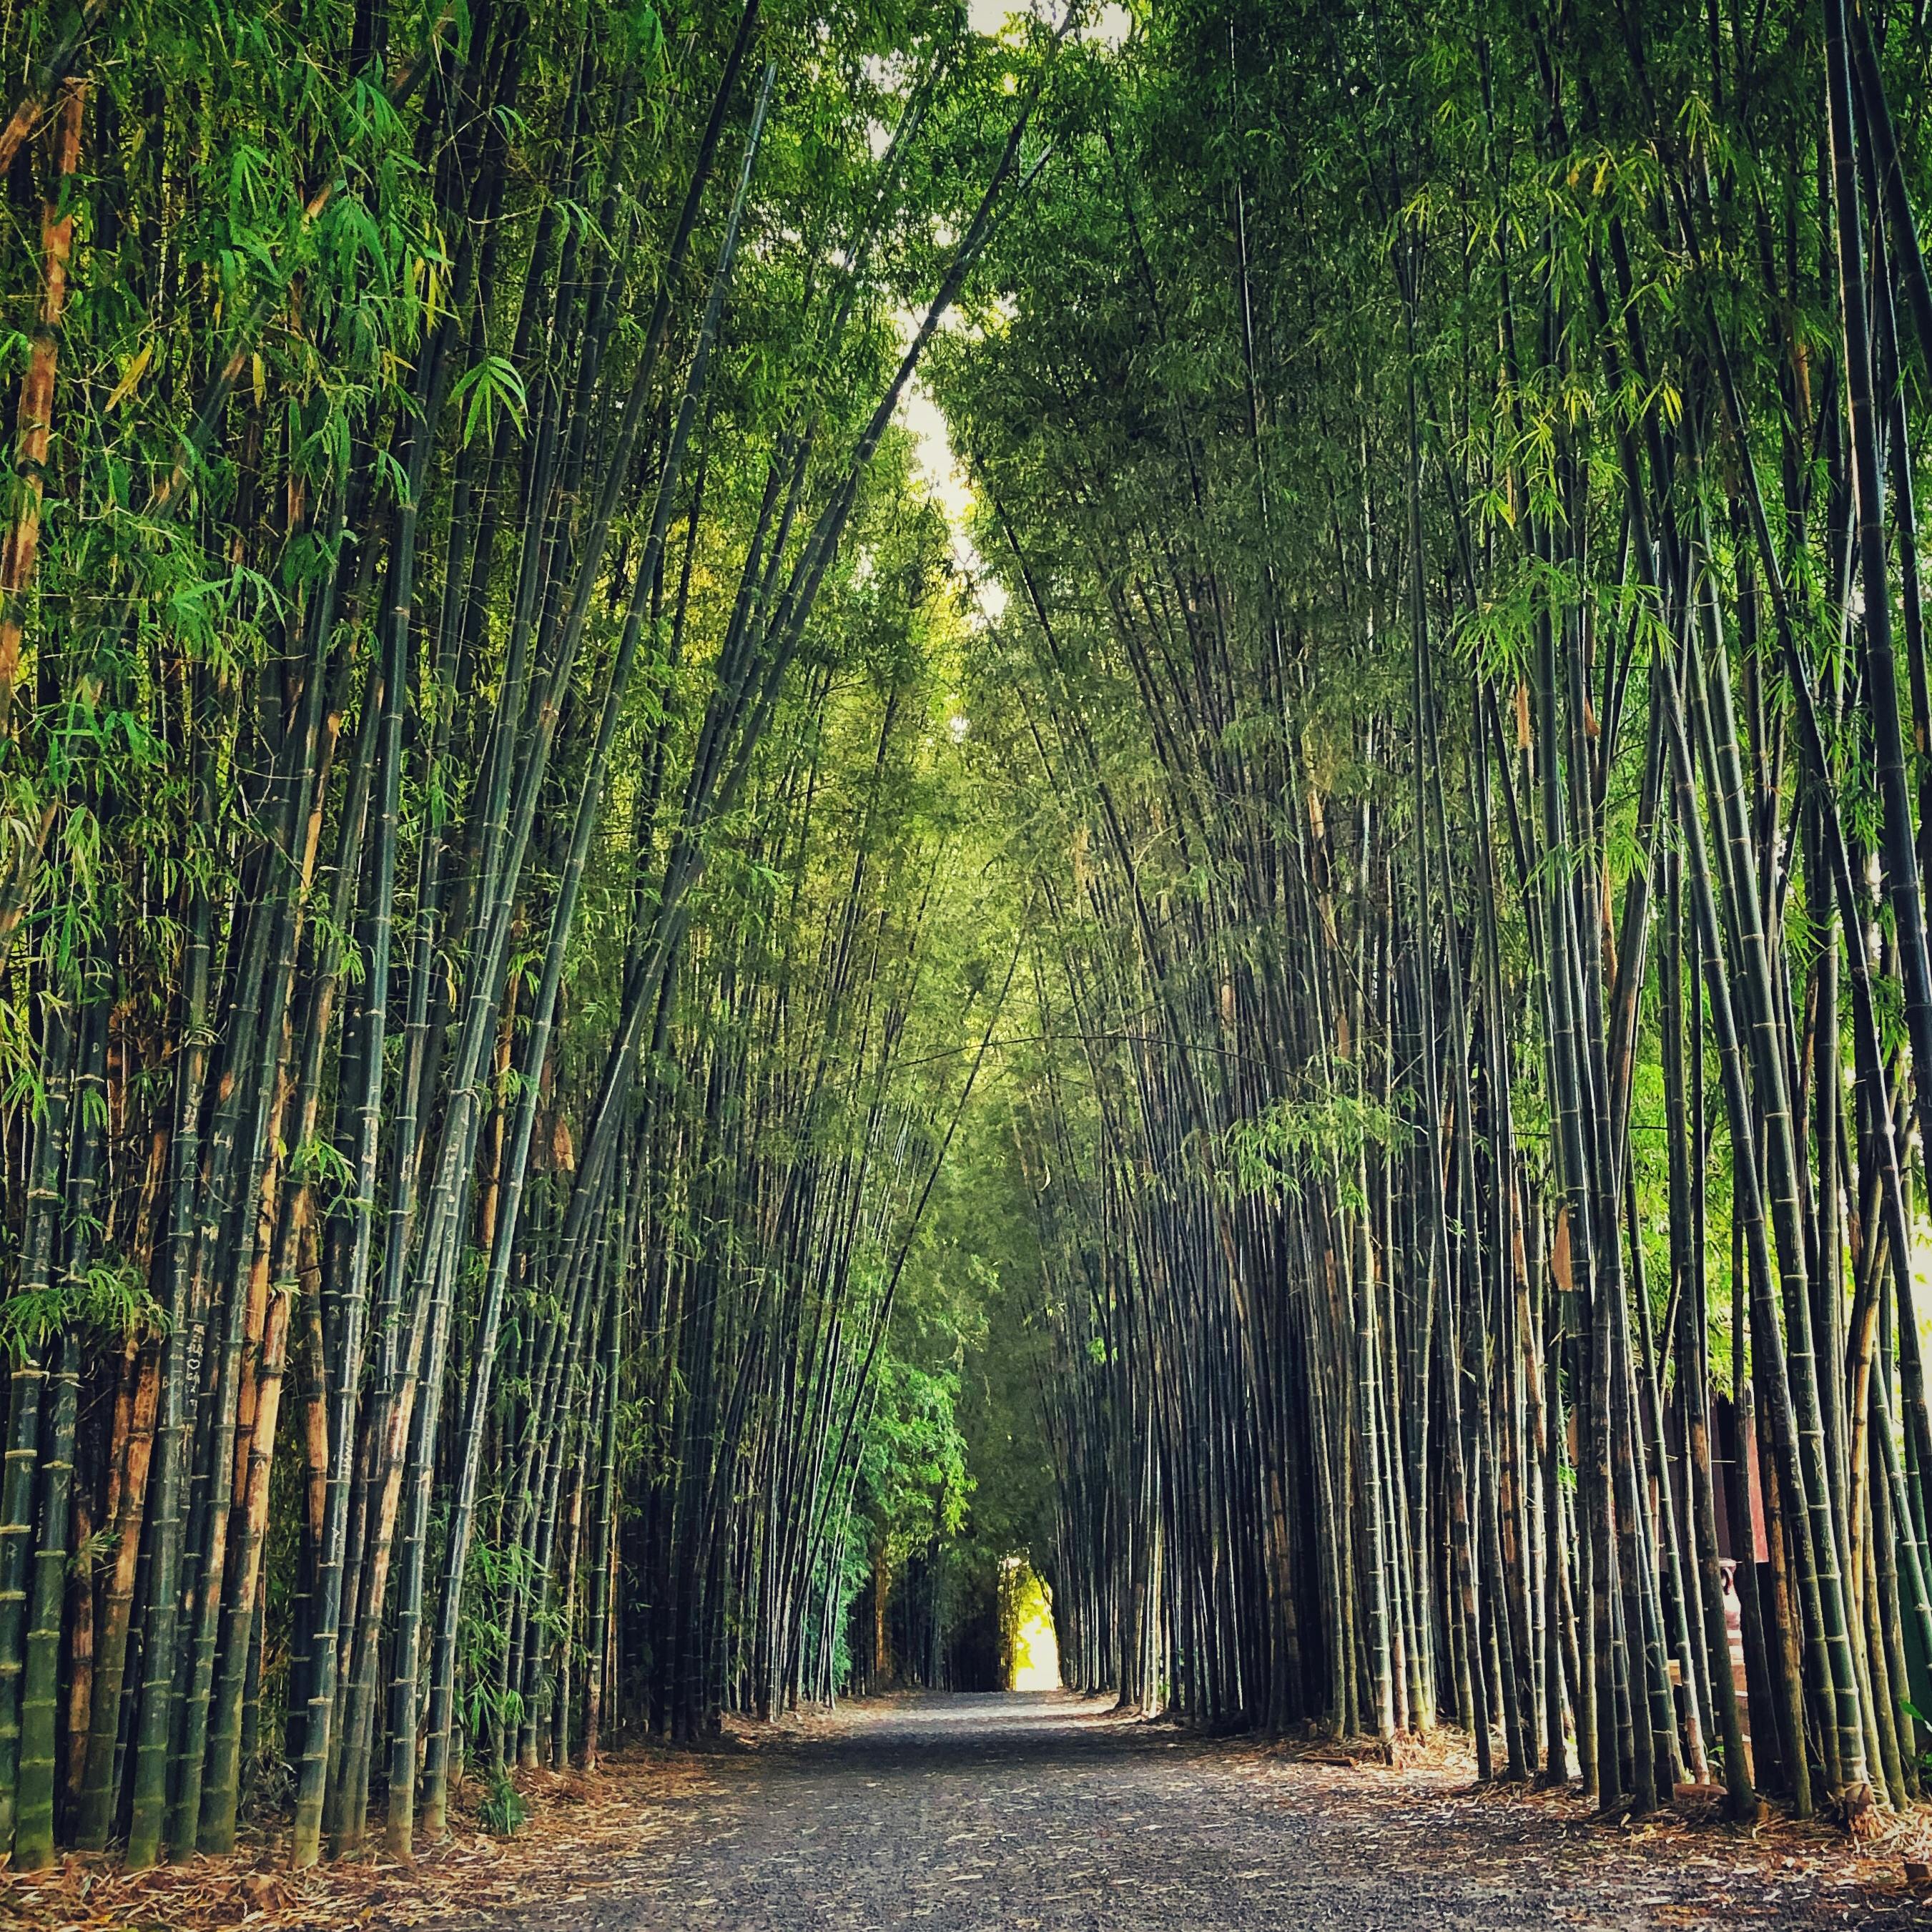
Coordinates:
[641,1036]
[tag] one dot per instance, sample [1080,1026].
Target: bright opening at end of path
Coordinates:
[1032,1651]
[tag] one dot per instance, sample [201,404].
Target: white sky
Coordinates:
[1109,26]
[921,416]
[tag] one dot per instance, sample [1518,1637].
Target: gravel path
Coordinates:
[1043,1811]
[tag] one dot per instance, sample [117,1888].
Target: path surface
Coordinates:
[1043,1811]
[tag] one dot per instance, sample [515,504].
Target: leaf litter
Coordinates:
[583,1836]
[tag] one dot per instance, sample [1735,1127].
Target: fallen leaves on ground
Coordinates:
[621,1833]
[582,1831]
[1532,1826]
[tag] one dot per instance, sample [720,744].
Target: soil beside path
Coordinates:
[1043,1811]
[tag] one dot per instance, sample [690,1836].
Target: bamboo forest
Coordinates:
[826,822]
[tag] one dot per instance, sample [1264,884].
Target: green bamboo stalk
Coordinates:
[34,1815]
[27,1392]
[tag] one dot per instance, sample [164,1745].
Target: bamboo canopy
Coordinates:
[641,1039]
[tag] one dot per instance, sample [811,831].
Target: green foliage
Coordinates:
[913,1484]
[492,389]
[111,1302]
[502,1811]
[1270,1153]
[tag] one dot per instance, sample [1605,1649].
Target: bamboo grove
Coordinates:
[477,885]
[1454,656]
[608,1008]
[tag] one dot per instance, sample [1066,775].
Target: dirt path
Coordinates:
[1042,1811]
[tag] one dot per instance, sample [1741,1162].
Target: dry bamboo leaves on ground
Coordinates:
[584,1833]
